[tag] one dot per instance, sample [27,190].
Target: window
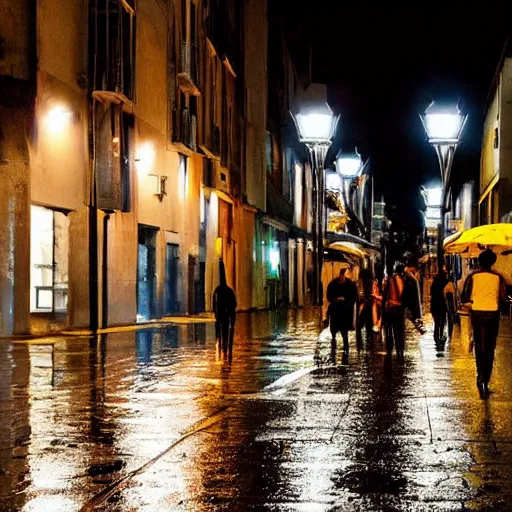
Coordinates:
[49,248]
[433,212]
[183,176]
[112,46]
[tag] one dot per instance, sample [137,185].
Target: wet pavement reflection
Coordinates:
[164,419]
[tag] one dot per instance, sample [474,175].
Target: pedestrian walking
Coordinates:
[342,297]
[224,308]
[394,311]
[484,292]
[365,306]
[450,297]
[438,307]
[412,296]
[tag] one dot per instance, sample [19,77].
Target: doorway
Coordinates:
[146,273]
[172,257]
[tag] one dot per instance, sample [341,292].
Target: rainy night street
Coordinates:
[160,420]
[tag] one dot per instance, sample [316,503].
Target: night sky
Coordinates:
[385,65]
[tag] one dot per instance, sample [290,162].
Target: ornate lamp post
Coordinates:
[316,124]
[443,126]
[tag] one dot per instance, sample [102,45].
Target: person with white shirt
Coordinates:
[484,291]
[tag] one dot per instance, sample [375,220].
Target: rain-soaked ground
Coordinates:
[160,420]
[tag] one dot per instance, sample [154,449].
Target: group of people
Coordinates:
[382,307]
[374,306]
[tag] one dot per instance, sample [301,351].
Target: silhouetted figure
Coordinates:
[342,296]
[450,297]
[412,296]
[394,311]
[224,307]
[484,291]
[438,305]
[366,302]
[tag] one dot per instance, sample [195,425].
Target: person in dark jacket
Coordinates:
[484,292]
[342,296]
[438,304]
[394,313]
[224,308]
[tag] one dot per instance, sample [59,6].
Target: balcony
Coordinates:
[184,131]
[187,77]
[212,146]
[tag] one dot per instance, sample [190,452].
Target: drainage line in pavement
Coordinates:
[429,423]
[120,484]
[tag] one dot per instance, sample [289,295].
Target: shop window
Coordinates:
[49,249]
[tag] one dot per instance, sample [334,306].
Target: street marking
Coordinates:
[289,378]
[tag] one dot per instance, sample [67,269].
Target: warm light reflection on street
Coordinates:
[376,430]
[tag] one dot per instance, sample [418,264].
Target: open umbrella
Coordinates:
[472,242]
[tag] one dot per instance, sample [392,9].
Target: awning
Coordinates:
[347,248]
[275,223]
[347,237]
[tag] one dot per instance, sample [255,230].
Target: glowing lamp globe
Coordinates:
[315,128]
[349,165]
[443,124]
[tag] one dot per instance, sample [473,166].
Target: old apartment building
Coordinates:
[136,151]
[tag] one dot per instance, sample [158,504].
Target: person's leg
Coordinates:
[477,341]
[442,322]
[231,335]
[368,323]
[344,335]
[489,345]
[333,328]
[435,317]
[217,330]
[450,324]
[225,333]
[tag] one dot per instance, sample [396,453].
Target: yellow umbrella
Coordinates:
[472,242]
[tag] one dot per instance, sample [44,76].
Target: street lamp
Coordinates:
[316,125]
[349,165]
[443,126]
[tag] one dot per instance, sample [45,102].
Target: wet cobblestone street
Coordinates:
[162,420]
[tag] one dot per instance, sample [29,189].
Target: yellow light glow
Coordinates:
[57,119]
[218,246]
[145,158]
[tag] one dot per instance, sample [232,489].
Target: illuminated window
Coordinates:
[49,247]
[183,176]
[433,212]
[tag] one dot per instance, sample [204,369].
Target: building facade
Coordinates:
[495,198]
[133,152]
